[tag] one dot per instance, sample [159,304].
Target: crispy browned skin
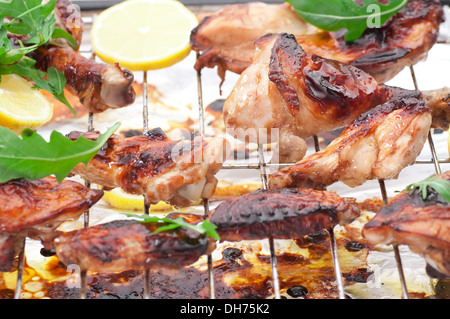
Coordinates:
[155,166]
[130,245]
[35,209]
[423,225]
[377,145]
[225,38]
[99,86]
[282,214]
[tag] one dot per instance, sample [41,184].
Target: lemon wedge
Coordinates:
[117,198]
[21,106]
[143,34]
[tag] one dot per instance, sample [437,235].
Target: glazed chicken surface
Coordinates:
[422,224]
[225,38]
[298,94]
[287,95]
[152,165]
[123,245]
[377,145]
[35,209]
[281,214]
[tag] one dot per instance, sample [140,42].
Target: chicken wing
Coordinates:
[297,93]
[300,95]
[422,224]
[225,38]
[155,166]
[377,145]
[439,103]
[99,86]
[130,245]
[35,209]
[281,214]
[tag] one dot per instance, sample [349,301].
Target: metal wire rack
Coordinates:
[262,167]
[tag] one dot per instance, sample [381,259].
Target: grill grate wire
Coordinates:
[262,167]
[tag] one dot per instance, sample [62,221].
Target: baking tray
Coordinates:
[384,282]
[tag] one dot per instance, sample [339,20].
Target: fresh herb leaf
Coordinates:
[334,15]
[32,157]
[55,85]
[441,186]
[34,21]
[61,34]
[204,227]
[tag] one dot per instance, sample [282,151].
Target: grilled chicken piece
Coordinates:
[130,245]
[423,225]
[298,93]
[225,38]
[439,103]
[152,165]
[35,209]
[377,145]
[99,86]
[288,93]
[281,214]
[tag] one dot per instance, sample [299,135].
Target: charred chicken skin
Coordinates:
[377,145]
[35,209]
[152,165]
[423,225]
[130,245]
[281,214]
[225,38]
[302,95]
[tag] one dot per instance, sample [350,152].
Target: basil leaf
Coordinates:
[334,15]
[32,157]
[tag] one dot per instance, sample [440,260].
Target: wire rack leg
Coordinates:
[145,104]
[20,269]
[337,267]
[398,259]
[201,121]
[273,257]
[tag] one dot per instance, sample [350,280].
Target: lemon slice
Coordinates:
[21,106]
[143,34]
[117,198]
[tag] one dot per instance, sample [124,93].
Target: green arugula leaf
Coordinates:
[35,20]
[441,186]
[61,34]
[334,15]
[204,227]
[32,157]
[28,16]
[55,85]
